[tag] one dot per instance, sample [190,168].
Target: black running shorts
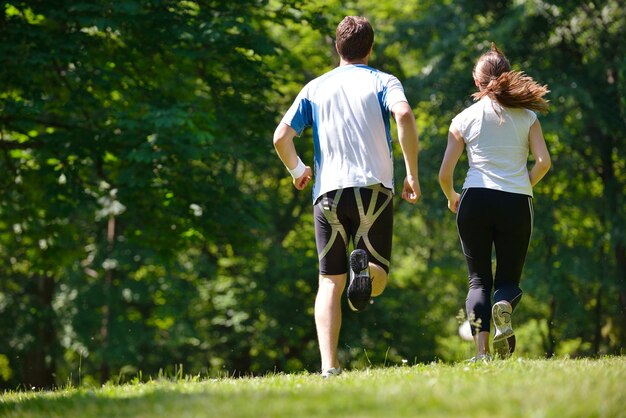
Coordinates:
[362,216]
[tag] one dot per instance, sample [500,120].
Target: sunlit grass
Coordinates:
[514,388]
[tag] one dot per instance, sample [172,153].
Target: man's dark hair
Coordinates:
[354,37]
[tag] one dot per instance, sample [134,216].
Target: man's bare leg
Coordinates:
[328,317]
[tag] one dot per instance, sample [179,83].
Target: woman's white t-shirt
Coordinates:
[496,139]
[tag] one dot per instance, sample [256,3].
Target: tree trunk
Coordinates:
[615,274]
[105,372]
[620,255]
[39,364]
[551,343]
[597,337]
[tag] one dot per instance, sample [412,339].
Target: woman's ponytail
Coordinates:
[509,88]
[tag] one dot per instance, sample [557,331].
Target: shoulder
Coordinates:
[523,114]
[310,89]
[385,79]
[333,78]
[468,121]
[379,73]
[312,84]
[470,112]
[530,116]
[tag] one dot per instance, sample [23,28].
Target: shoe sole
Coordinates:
[358,261]
[501,314]
[359,293]
[360,288]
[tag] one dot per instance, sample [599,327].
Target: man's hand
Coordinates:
[301,182]
[411,191]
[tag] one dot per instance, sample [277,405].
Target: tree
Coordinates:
[123,144]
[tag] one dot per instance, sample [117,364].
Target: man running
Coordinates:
[349,110]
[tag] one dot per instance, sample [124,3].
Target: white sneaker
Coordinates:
[501,314]
[332,372]
[480,358]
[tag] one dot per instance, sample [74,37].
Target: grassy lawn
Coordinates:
[513,388]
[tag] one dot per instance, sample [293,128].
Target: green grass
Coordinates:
[513,388]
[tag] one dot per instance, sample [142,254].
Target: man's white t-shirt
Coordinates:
[349,110]
[496,139]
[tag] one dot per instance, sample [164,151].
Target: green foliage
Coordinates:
[5,369]
[146,221]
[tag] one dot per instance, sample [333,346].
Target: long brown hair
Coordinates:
[508,88]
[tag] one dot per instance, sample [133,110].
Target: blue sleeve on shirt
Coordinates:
[302,116]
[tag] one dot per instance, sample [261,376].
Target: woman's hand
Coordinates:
[453,204]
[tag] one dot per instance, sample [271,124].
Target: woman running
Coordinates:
[495,207]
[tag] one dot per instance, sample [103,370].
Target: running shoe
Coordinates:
[504,339]
[480,358]
[360,287]
[332,372]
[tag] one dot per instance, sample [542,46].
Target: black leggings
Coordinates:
[485,219]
